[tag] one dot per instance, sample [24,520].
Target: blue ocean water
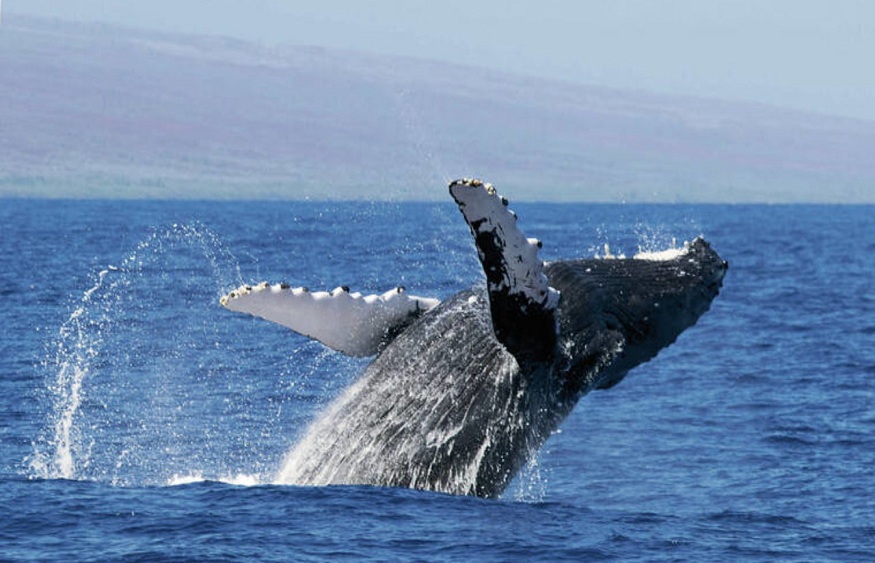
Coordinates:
[141,421]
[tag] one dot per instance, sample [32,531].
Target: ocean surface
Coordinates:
[139,420]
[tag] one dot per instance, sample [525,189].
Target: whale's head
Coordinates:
[615,314]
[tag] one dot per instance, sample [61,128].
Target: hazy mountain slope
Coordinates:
[92,110]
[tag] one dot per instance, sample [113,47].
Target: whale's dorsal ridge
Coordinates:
[352,323]
[521,299]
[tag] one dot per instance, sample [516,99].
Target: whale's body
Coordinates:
[445,407]
[462,393]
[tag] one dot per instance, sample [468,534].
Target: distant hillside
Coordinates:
[100,111]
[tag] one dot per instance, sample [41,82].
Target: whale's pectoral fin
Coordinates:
[351,323]
[520,297]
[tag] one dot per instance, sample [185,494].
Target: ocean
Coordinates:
[139,420]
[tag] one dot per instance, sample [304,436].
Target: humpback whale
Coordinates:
[461,393]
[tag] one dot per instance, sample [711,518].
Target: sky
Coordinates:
[813,55]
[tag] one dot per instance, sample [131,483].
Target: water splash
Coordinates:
[76,349]
[127,368]
[421,137]
[654,238]
[646,237]
[531,483]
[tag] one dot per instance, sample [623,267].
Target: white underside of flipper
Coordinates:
[521,270]
[352,323]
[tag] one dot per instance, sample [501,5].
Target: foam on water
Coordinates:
[239,480]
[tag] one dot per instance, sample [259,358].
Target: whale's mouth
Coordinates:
[719,267]
[717,280]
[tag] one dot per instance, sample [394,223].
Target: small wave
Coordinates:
[754,517]
[789,440]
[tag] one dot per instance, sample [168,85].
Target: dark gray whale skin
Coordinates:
[447,407]
[641,305]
